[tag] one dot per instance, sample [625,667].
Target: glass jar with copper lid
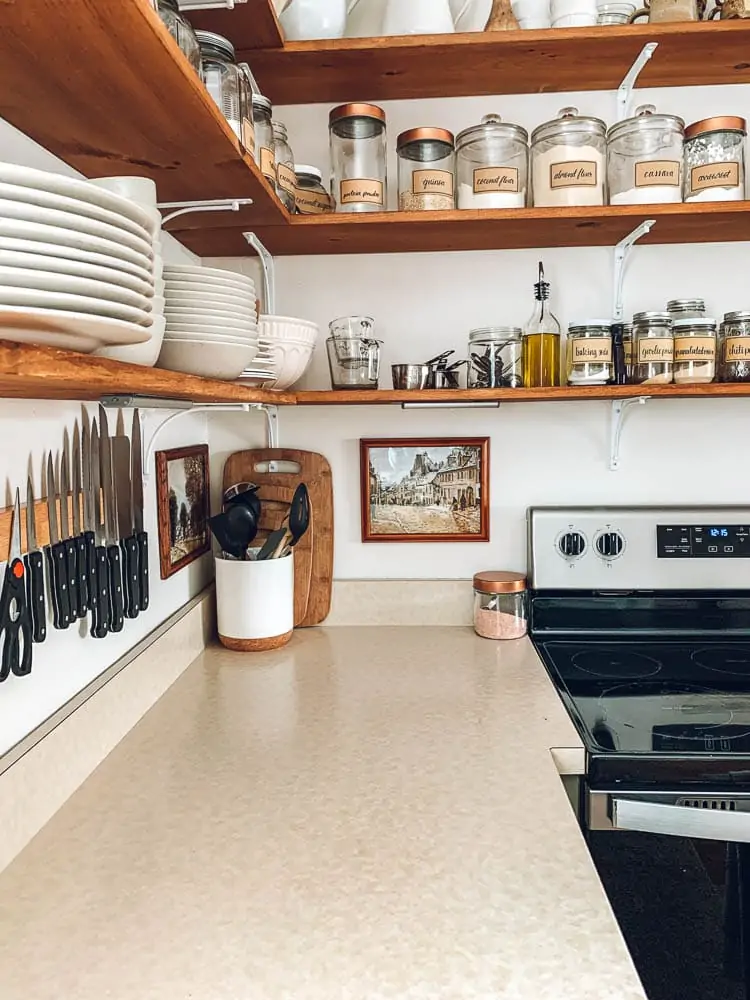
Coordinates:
[358,158]
[500,605]
[715,159]
[426,170]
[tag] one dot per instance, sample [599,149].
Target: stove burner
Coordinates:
[615,664]
[734,660]
[688,706]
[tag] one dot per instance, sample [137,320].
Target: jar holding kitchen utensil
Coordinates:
[495,358]
[255,602]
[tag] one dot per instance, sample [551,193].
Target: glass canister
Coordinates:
[500,605]
[426,170]
[568,161]
[353,353]
[310,197]
[495,358]
[224,80]
[653,348]
[590,353]
[358,158]
[286,179]
[644,159]
[686,308]
[492,165]
[614,13]
[715,159]
[264,146]
[694,350]
[734,348]
[181,30]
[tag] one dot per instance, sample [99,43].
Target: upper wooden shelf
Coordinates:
[252,25]
[502,62]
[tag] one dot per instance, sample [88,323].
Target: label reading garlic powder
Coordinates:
[286,177]
[492,179]
[432,182]
[588,350]
[715,175]
[311,202]
[365,190]
[737,349]
[573,173]
[268,163]
[694,349]
[651,350]
[655,173]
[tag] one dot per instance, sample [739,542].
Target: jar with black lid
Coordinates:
[734,348]
[426,170]
[358,158]
[653,348]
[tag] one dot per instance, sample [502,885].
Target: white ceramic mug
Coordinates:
[304,19]
[255,602]
[418,17]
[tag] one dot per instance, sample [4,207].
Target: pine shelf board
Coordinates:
[378,397]
[252,25]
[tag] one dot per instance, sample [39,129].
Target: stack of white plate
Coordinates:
[76,263]
[212,327]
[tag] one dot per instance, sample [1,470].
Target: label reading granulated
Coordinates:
[248,135]
[268,163]
[694,349]
[737,349]
[365,190]
[574,173]
[588,350]
[651,350]
[715,175]
[311,202]
[657,173]
[491,179]
[286,177]
[432,182]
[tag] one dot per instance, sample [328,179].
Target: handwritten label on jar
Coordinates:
[311,202]
[655,173]
[286,177]
[628,346]
[585,350]
[491,179]
[715,175]
[248,134]
[432,182]
[737,349]
[651,350]
[365,190]
[573,173]
[694,349]
[268,163]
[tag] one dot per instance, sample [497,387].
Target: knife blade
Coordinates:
[82,592]
[128,544]
[55,552]
[115,618]
[71,552]
[34,571]
[99,577]
[141,536]
[89,522]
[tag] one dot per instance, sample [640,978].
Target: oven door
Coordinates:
[675,814]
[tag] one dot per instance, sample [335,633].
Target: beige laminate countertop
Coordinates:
[369,814]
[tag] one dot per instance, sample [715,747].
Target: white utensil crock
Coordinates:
[255,603]
[306,19]
[418,17]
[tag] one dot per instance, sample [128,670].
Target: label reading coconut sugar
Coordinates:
[715,175]
[286,177]
[737,349]
[657,173]
[311,202]
[268,163]
[432,182]
[248,134]
[651,350]
[574,173]
[365,190]
[492,179]
[694,349]
[588,350]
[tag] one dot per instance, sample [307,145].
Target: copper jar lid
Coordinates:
[356,111]
[422,134]
[720,123]
[500,582]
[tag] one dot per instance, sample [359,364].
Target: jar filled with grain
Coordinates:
[426,170]
[734,348]
[500,605]
[694,350]
[590,353]
[653,348]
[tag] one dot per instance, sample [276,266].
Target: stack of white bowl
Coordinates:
[290,343]
[76,263]
[212,328]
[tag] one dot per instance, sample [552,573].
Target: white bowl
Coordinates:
[198,329]
[139,354]
[201,336]
[288,328]
[141,190]
[211,360]
[290,362]
[536,10]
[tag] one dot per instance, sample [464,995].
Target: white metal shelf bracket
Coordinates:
[622,252]
[210,4]
[268,269]
[177,208]
[620,410]
[625,90]
[479,405]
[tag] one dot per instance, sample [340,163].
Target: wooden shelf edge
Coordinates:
[380,397]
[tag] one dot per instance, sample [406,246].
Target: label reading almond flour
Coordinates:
[268,163]
[737,349]
[311,202]
[286,177]
[651,350]
[364,190]
[432,182]
[491,179]
[590,350]
[715,175]
[574,173]
[657,173]
[694,349]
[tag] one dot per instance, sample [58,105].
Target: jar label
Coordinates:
[588,350]
[496,179]
[657,173]
[714,175]
[652,349]
[573,173]
[737,349]
[694,349]
[628,345]
[248,135]
[365,190]
[286,177]
[432,182]
[311,202]
[268,163]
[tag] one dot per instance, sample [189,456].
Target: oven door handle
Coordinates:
[680,821]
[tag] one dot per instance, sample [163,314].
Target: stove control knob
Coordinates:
[572,544]
[609,544]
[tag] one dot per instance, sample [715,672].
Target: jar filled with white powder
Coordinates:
[568,161]
[500,605]
[644,159]
[492,163]
[715,159]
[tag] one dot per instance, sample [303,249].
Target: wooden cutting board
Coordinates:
[313,555]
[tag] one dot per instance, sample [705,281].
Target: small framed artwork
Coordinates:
[183,497]
[425,489]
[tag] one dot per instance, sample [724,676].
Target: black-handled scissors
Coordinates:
[15,617]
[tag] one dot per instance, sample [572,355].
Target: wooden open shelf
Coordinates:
[252,25]
[377,397]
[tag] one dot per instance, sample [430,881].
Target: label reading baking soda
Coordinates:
[363,189]
[694,349]
[715,175]
[737,349]
[588,350]
[311,202]
[286,177]
[432,182]
[574,173]
[655,351]
[496,179]
[268,163]
[657,173]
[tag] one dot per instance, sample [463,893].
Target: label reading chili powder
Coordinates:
[737,349]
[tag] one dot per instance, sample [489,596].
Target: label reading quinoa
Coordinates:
[364,190]
[657,173]
[715,175]
[737,349]
[494,179]
[653,351]
[311,202]
[694,349]
[286,177]
[574,173]
[268,163]
[588,350]
[432,182]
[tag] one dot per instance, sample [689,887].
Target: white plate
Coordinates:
[74,256]
[210,323]
[215,288]
[71,187]
[69,239]
[206,300]
[211,317]
[10,259]
[33,298]
[70,331]
[47,281]
[23,212]
[194,270]
[207,338]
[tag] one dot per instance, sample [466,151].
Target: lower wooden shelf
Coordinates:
[376,397]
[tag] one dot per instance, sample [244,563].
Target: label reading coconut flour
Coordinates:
[653,351]
[574,173]
[432,182]
[365,190]
[268,163]
[694,349]
[737,349]
[655,173]
[287,177]
[715,175]
[589,350]
[492,179]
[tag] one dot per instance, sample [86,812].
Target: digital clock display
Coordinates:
[697,541]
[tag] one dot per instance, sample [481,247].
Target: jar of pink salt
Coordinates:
[500,603]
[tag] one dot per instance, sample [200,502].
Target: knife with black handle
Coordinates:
[82,570]
[69,543]
[88,538]
[128,543]
[116,614]
[56,562]
[34,572]
[97,552]
[141,536]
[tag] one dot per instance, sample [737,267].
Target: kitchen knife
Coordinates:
[55,552]
[141,537]
[115,616]
[71,553]
[34,571]
[99,576]
[128,544]
[89,516]
[82,594]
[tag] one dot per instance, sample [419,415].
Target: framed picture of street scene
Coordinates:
[183,507]
[425,489]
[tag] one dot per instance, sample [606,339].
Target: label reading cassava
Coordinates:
[588,350]
[362,189]
[268,163]
[657,173]
[496,179]
[651,350]
[286,177]
[311,202]
[574,173]
[737,349]
[715,175]
[694,349]
[432,182]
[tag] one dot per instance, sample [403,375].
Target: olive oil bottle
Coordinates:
[541,341]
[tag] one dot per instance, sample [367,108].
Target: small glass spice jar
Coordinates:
[264,154]
[686,308]
[495,358]
[286,179]
[568,161]
[426,170]
[694,350]
[310,197]
[653,348]
[590,359]
[358,158]
[224,79]
[492,165]
[715,159]
[734,348]
[627,344]
[181,30]
[644,159]
[500,605]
